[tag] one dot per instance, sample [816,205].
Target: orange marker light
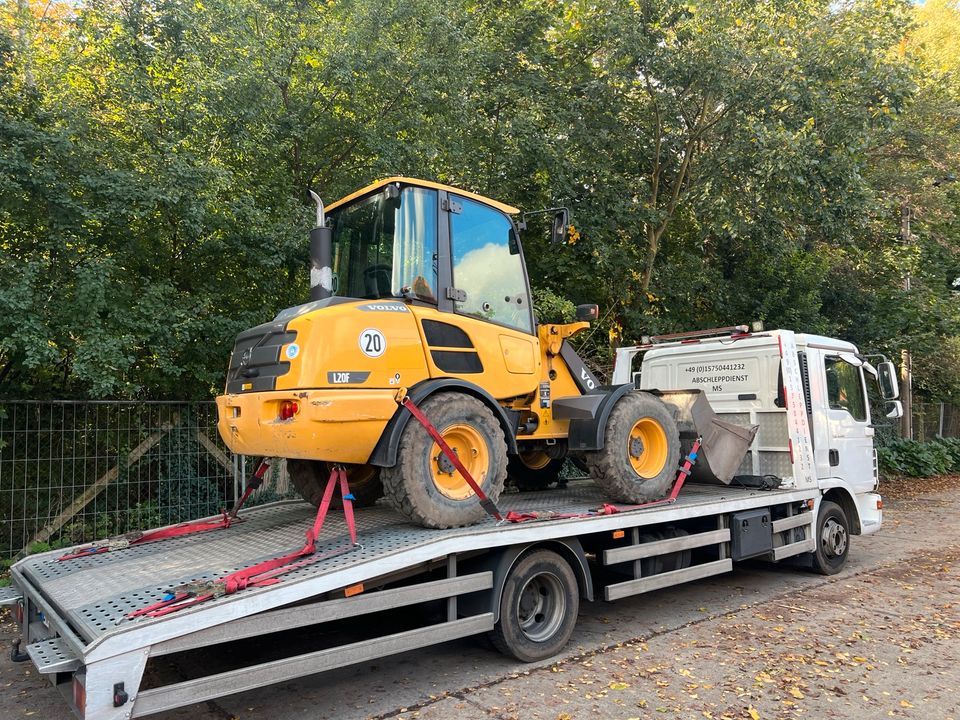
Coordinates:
[617,534]
[879,503]
[353,590]
[79,695]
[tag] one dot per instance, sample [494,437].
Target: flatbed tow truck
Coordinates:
[522,582]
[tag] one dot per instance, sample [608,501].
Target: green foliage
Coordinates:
[38,547]
[919,459]
[186,492]
[551,308]
[725,161]
[143,515]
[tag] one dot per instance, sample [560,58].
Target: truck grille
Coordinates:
[255,363]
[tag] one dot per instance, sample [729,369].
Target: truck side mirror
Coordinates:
[587,313]
[894,409]
[887,379]
[561,221]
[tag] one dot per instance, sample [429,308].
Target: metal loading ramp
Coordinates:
[93,595]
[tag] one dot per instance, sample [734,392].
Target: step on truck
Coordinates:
[804,482]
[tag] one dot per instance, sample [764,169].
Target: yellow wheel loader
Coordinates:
[420,289]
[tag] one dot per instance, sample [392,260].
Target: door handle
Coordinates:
[834,458]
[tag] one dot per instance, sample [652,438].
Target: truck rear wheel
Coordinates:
[425,486]
[533,470]
[538,608]
[310,478]
[641,450]
[832,539]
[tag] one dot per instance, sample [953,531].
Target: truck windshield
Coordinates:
[385,245]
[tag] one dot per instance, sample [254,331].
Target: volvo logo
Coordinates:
[587,380]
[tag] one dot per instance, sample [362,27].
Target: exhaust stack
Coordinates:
[321,255]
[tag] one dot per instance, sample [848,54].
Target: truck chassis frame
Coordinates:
[97,658]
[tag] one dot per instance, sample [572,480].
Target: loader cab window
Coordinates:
[385,245]
[488,266]
[845,387]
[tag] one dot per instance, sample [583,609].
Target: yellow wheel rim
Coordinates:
[535,460]
[471,450]
[647,447]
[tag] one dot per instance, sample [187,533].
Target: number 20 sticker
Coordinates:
[372,342]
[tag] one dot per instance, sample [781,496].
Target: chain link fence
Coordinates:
[72,472]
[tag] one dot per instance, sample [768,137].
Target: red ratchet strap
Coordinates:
[266,572]
[187,528]
[485,502]
[608,509]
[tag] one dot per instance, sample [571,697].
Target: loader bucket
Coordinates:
[724,444]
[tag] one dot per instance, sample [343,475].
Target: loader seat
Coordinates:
[376,280]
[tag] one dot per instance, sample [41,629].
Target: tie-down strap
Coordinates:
[485,502]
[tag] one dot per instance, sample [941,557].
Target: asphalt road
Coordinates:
[878,640]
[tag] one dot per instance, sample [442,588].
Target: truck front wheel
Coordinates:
[538,608]
[832,539]
[425,486]
[641,450]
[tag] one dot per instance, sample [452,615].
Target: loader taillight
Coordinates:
[289,408]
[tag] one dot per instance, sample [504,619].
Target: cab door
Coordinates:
[491,298]
[849,434]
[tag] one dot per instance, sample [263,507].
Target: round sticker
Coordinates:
[292,351]
[372,342]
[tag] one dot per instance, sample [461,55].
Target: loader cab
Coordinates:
[431,244]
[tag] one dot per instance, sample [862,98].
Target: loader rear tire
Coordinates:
[641,450]
[310,478]
[424,486]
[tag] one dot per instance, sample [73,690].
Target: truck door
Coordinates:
[850,436]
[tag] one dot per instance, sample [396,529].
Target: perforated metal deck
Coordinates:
[9,596]
[54,655]
[93,595]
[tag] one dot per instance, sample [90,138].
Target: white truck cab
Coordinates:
[807,394]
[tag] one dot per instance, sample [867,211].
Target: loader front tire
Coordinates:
[424,486]
[310,478]
[641,450]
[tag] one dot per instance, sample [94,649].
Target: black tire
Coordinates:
[409,485]
[535,470]
[310,478]
[681,558]
[832,539]
[613,467]
[538,608]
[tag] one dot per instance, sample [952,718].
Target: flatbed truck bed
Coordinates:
[74,612]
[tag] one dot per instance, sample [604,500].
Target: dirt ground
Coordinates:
[878,640]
